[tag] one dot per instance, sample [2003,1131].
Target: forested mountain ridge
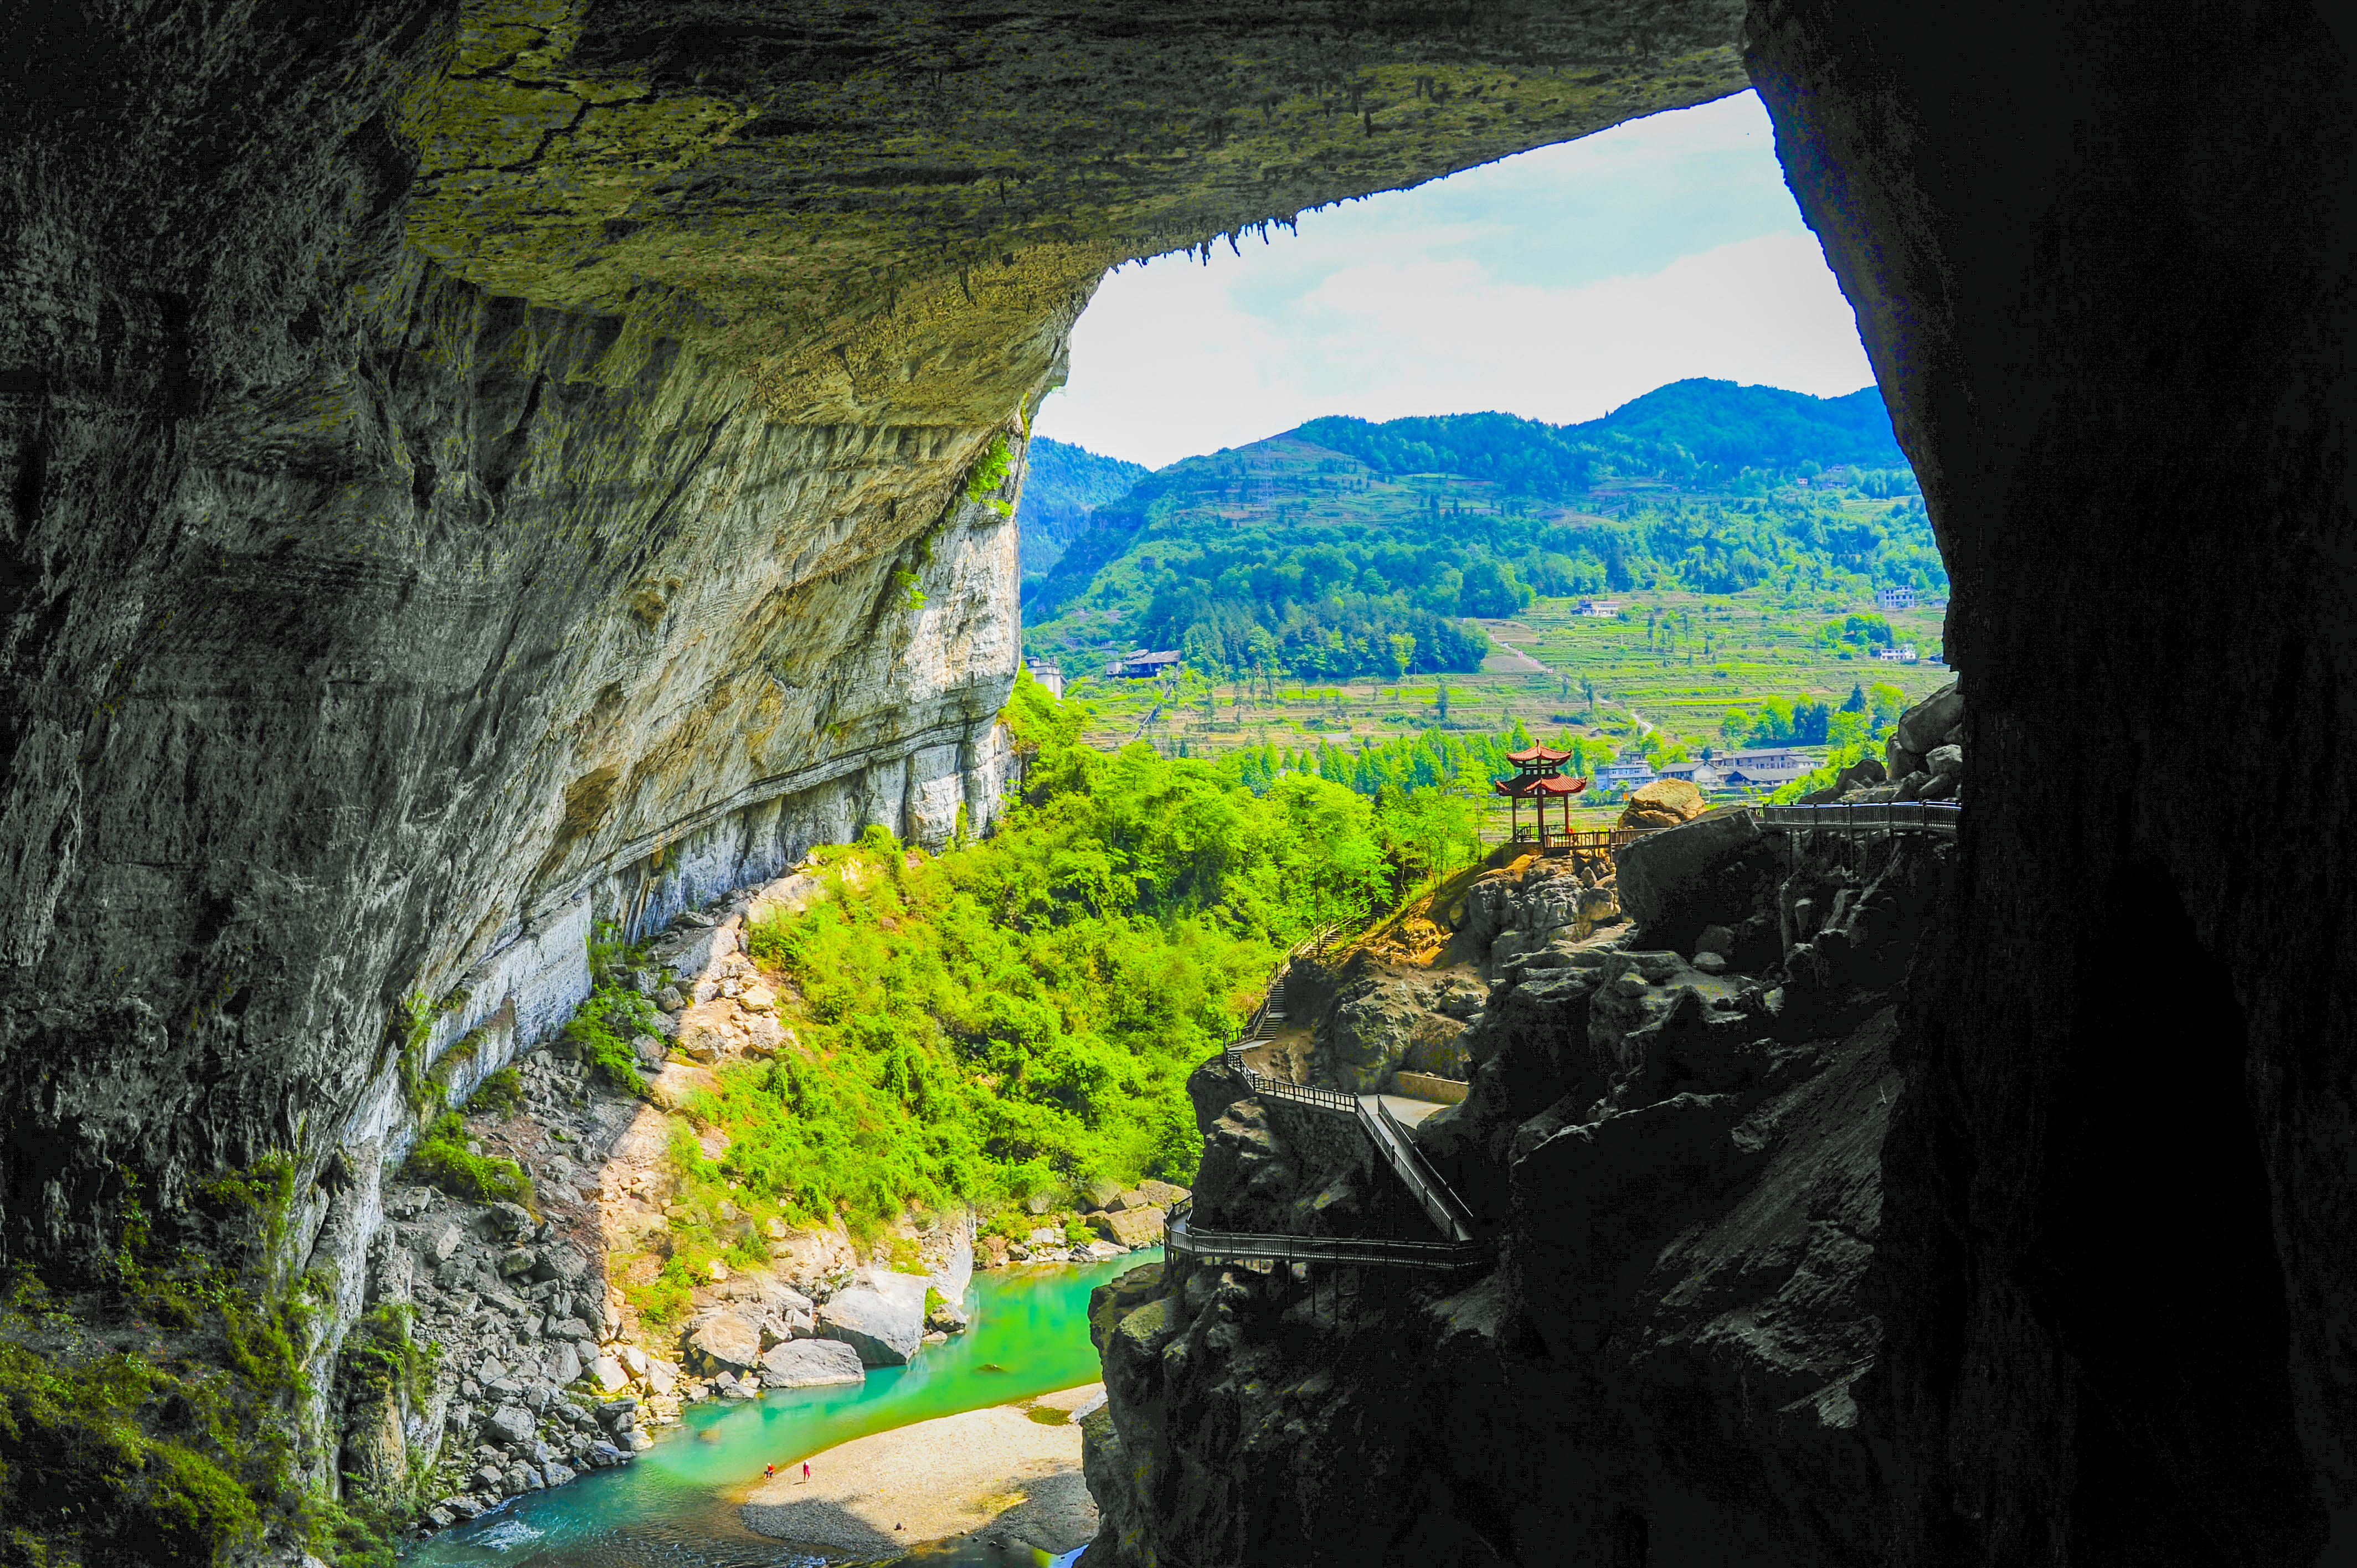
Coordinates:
[1345,548]
[1063,485]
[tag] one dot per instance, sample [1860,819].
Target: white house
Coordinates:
[1889,599]
[1600,609]
[1628,773]
[1902,653]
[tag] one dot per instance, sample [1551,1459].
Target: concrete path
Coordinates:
[1410,1110]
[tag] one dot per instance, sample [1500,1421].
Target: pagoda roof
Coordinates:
[1537,754]
[1525,787]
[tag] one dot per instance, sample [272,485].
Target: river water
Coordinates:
[676,1507]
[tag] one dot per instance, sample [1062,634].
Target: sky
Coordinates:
[1557,285]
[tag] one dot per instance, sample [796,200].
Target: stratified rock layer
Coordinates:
[472,472]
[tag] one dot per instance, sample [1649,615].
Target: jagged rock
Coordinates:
[1945,762]
[1098,1192]
[882,1316]
[726,1341]
[609,1374]
[1159,1192]
[512,1219]
[517,1262]
[812,1363]
[670,1000]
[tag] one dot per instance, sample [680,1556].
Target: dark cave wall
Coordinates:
[2101,257]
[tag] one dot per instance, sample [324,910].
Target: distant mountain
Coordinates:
[1349,548]
[1064,486]
[1732,427]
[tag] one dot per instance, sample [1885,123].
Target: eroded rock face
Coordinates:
[1684,1171]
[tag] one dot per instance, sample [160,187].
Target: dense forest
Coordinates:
[1350,549]
[1062,486]
[1021,1013]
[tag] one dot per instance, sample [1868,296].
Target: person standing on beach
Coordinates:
[805,1469]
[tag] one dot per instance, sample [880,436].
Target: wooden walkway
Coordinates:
[1458,1247]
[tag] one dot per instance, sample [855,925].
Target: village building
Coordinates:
[1143,665]
[1764,769]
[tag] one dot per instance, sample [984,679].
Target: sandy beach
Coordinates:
[1000,1473]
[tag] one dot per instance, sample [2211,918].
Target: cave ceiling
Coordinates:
[865,205]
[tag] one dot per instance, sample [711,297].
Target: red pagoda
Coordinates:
[1538,775]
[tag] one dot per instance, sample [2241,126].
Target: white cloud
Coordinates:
[1442,301]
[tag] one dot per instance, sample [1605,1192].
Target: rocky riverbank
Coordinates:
[547,1366]
[1673,1129]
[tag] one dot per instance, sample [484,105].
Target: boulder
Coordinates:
[1131,1228]
[726,1341]
[651,1050]
[611,1378]
[508,1426]
[1160,1192]
[440,1241]
[513,1218]
[1945,760]
[564,1366]
[561,1263]
[764,1036]
[811,1363]
[1099,1192]
[1715,938]
[1866,770]
[1367,1032]
[517,1262]
[1663,803]
[670,1000]
[704,1035]
[570,1328]
[1927,723]
[1697,874]
[880,1315]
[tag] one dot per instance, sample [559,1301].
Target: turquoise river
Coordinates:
[676,1507]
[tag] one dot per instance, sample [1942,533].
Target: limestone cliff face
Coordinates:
[476,470]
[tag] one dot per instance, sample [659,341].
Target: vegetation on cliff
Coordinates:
[1022,1012]
[153,1415]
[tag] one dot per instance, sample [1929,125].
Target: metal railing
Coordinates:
[1877,816]
[1182,1240]
[1389,1136]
